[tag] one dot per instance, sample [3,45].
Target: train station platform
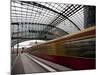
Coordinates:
[62,37]
[27,64]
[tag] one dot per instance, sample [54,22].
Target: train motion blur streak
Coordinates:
[75,50]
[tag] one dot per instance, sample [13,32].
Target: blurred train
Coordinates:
[76,50]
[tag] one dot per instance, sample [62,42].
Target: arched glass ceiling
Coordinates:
[77,18]
[44,20]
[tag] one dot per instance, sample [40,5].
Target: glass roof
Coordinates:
[44,20]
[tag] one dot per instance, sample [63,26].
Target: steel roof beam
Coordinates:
[74,11]
[60,15]
[25,23]
[42,6]
[56,21]
[31,38]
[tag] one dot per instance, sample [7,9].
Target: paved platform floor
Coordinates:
[27,64]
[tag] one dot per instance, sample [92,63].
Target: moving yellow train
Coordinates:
[76,50]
